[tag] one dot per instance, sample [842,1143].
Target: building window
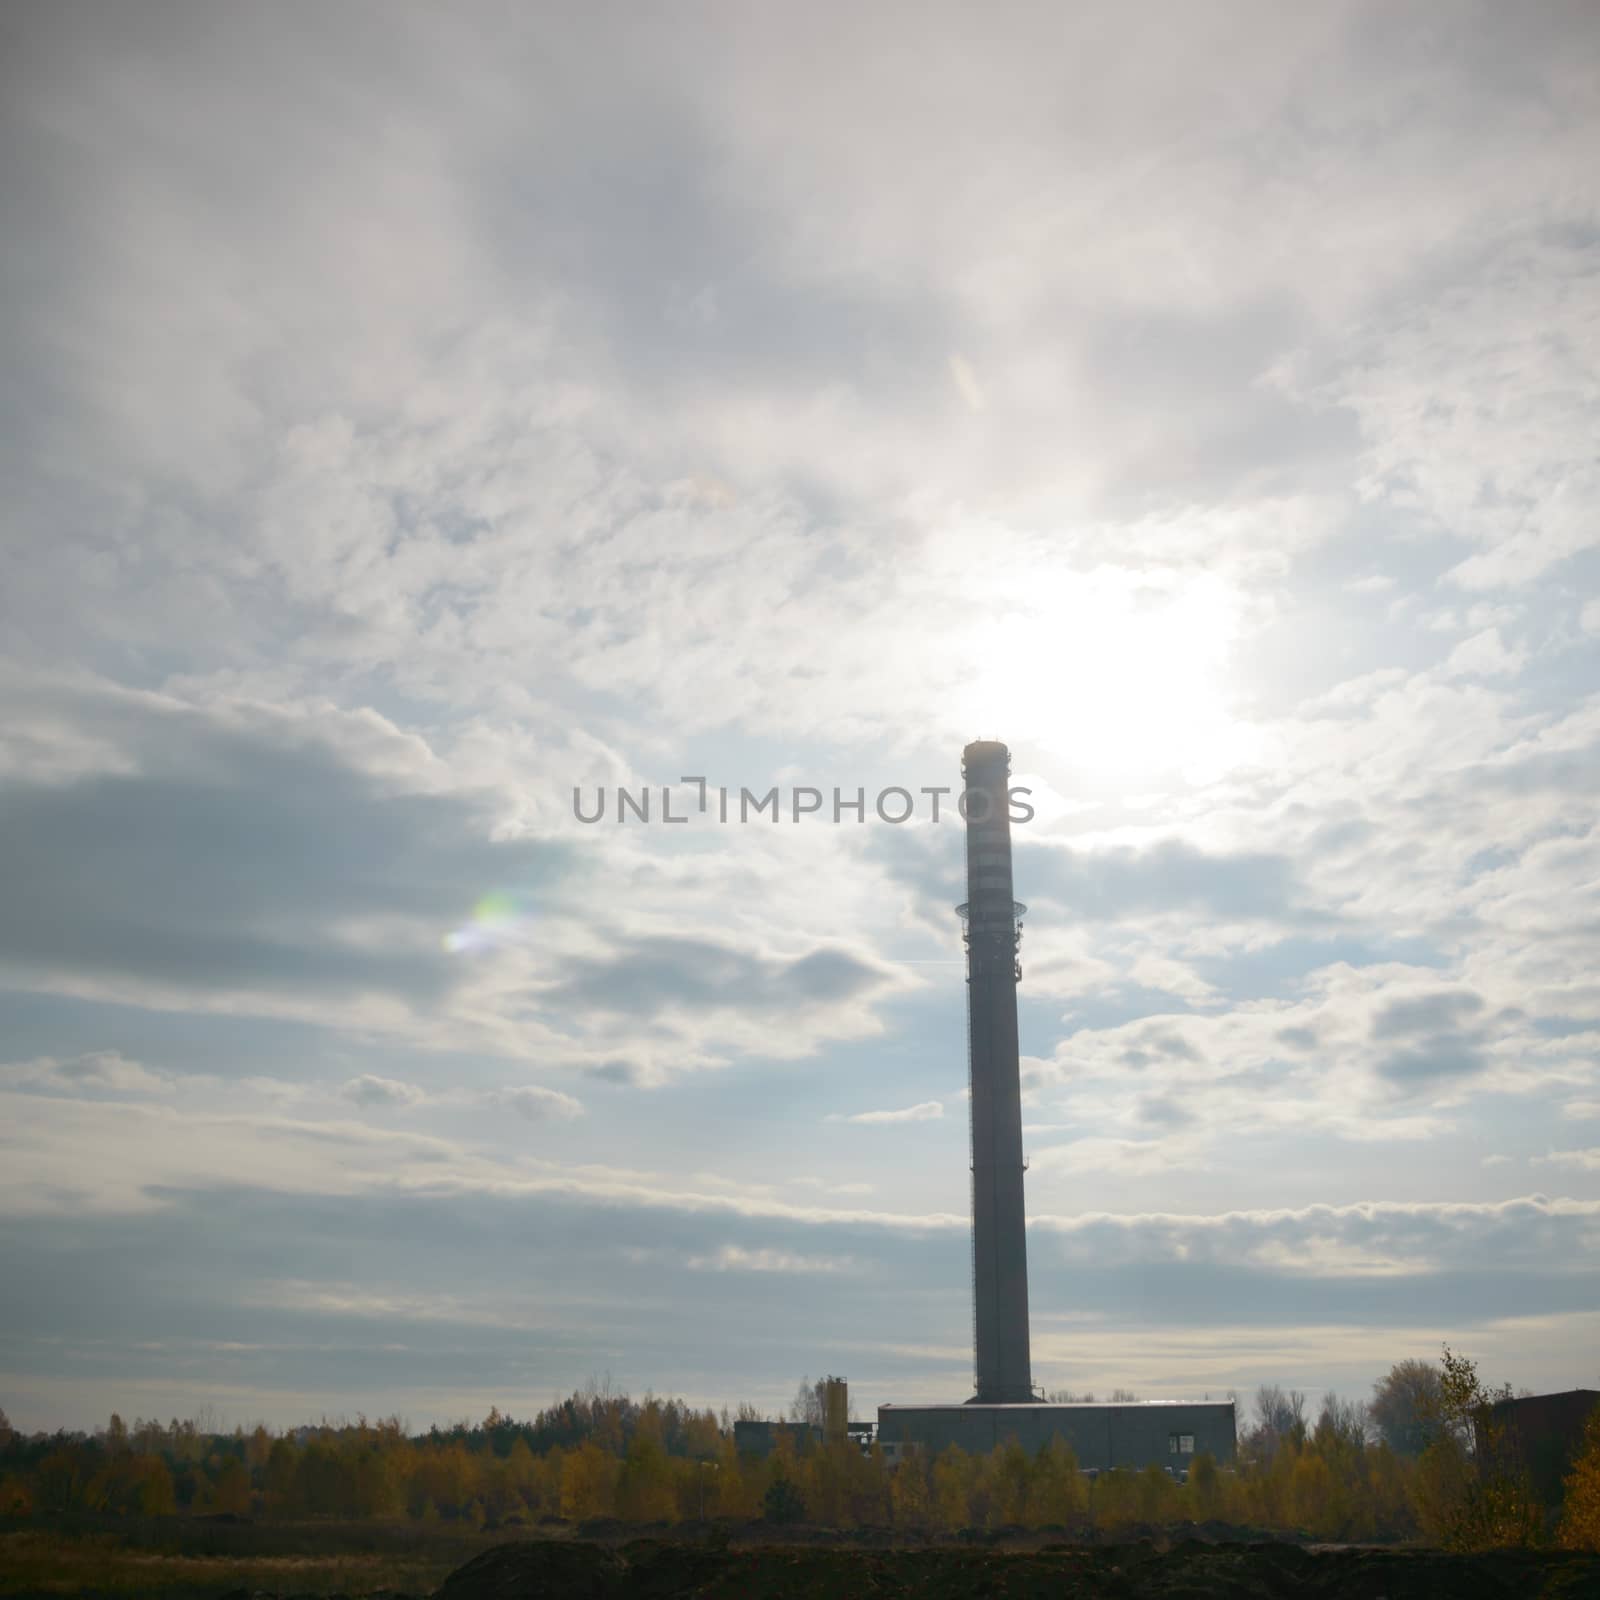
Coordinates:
[1185,1444]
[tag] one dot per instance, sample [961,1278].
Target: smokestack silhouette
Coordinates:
[999,1226]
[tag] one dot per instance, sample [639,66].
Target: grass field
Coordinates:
[185,1557]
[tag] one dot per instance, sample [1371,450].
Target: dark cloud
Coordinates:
[927,861]
[614,1072]
[653,976]
[1158,1043]
[1448,1056]
[238,855]
[1163,1111]
[1425,1013]
[1101,885]
[389,1300]
[1432,1039]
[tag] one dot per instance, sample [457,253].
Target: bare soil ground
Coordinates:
[187,1559]
[1189,1570]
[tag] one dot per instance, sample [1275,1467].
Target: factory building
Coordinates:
[1004,1403]
[1540,1434]
[762,1438]
[1166,1433]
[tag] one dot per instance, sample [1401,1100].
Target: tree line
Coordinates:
[1406,1465]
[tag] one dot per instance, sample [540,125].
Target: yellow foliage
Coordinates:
[735,1492]
[1312,1495]
[16,1499]
[1115,1501]
[1007,1474]
[910,1496]
[645,1491]
[1580,1518]
[1205,1487]
[155,1497]
[230,1488]
[1055,1487]
[952,1476]
[589,1483]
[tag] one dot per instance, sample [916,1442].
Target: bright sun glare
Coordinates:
[1122,677]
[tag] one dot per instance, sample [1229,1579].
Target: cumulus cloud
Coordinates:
[851,1188]
[733,1258]
[538,1104]
[320,593]
[231,856]
[1136,1157]
[1485,655]
[1579,1160]
[923,1111]
[238,856]
[371,1090]
[98,1071]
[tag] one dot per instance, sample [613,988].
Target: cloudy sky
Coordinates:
[411,414]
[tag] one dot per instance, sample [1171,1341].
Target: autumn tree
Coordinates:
[155,1496]
[644,1486]
[257,1448]
[1055,1486]
[824,1482]
[512,1488]
[280,1478]
[1115,1501]
[16,1497]
[783,1502]
[1205,1487]
[866,1487]
[1407,1406]
[1008,1474]
[230,1488]
[736,1495]
[806,1407]
[1343,1421]
[952,1484]
[1470,1492]
[59,1480]
[589,1483]
[1280,1415]
[1580,1516]
[1315,1501]
[911,1495]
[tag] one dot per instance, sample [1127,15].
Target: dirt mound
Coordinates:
[1193,1569]
[531,1569]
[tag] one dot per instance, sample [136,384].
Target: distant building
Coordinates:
[761,1438]
[1135,1434]
[1540,1433]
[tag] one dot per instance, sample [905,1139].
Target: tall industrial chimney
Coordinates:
[999,1227]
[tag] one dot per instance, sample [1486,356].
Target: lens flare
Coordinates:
[497,919]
